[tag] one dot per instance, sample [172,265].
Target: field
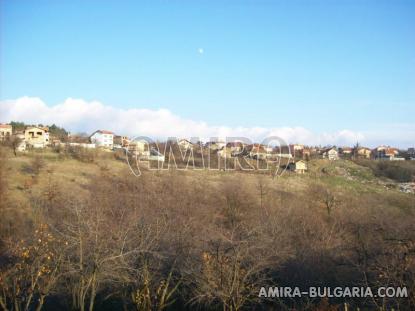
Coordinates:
[80,231]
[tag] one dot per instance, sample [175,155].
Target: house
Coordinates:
[120,141]
[282,152]
[236,147]
[391,152]
[257,151]
[139,148]
[364,152]
[226,152]
[215,145]
[185,144]
[268,148]
[306,153]
[330,153]
[36,136]
[5,131]
[385,153]
[346,151]
[411,152]
[300,167]
[102,138]
[380,148]
[296,149]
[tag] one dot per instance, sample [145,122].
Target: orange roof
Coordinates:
[5,126]
[391,151]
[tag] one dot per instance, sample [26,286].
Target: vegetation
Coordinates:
[401,171]
[82,234]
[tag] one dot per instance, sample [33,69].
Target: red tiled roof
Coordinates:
[5,126]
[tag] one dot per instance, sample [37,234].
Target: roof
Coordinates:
[391,151]
[5,126]
[184,140]
[364,148]
[234,144]
[46,129]
[103,132]
[329,149]
[256,148]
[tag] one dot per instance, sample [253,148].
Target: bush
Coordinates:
[396,170]
[81,154]
[35,166]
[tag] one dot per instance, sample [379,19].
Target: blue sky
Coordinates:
[322,65]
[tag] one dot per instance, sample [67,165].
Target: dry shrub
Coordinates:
[82,154]
[173,240]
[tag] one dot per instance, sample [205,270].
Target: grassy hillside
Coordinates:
[95,236]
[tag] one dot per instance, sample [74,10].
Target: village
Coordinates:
[24,138]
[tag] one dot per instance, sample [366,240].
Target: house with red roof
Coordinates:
[103,138]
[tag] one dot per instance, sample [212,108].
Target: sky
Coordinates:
[314,72]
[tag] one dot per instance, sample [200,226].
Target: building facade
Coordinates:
[103,138]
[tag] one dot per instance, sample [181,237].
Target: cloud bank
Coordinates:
[78,115]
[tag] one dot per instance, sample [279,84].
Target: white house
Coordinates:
[300,167]
[331,154]
[102,138]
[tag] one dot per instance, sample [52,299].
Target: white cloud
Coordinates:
[79,115]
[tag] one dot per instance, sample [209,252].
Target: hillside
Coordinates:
[184,239]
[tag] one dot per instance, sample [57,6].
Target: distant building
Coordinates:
[282,152]
[120,141]
[139,148]
[257,151]
[103,138]
[346,152]
[300,167]
[236,147]
[364,152]
[268,148]
[5,132]
[36,136]
[185,144]
[385,153]
[411,152]
[296,149]
[215,145]
[225,152]
[331,154]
